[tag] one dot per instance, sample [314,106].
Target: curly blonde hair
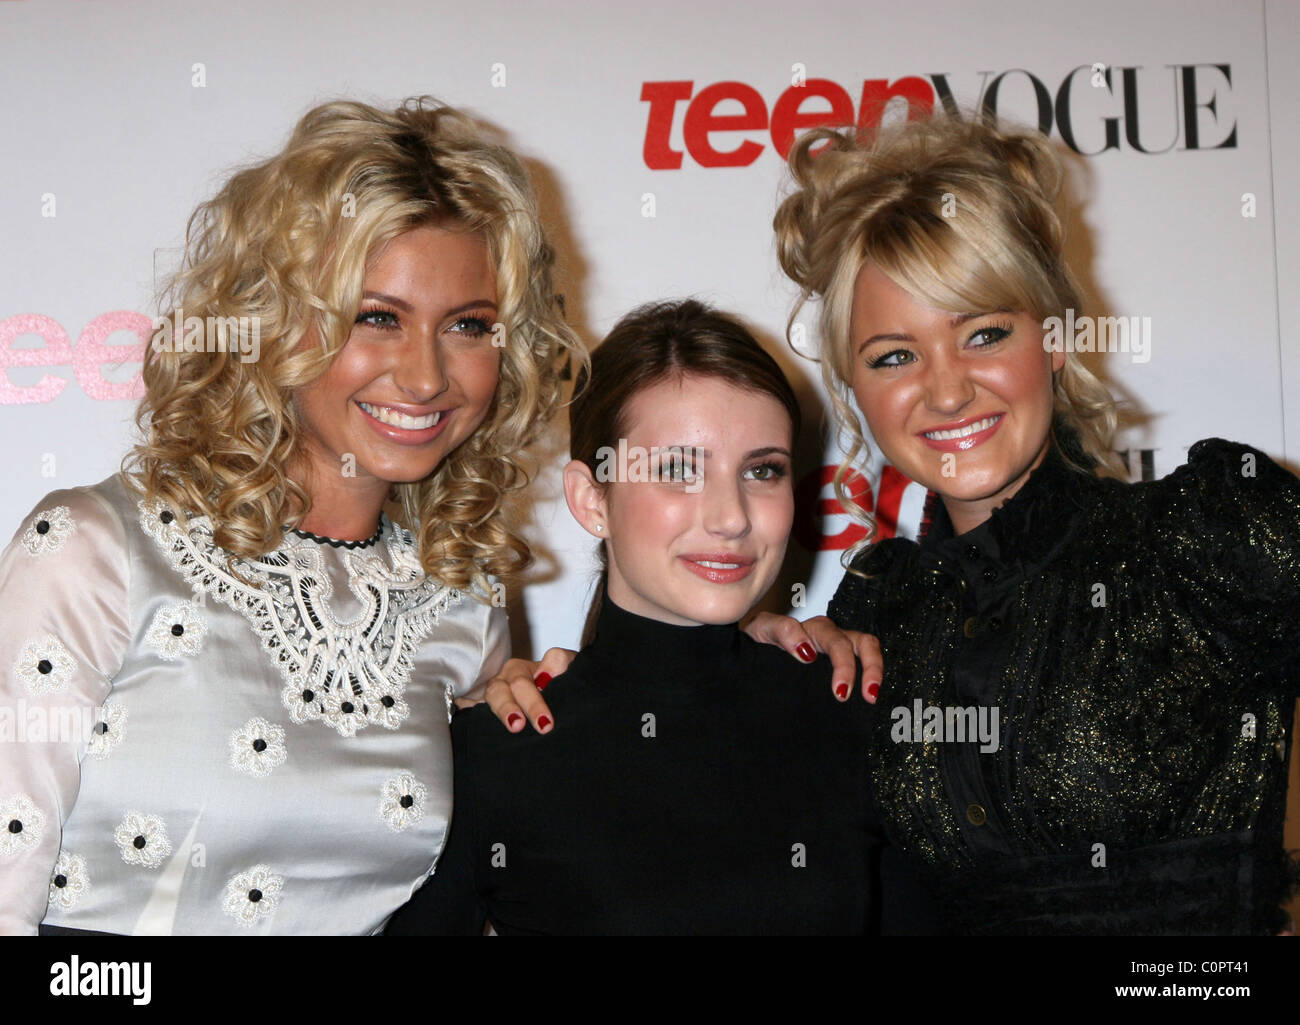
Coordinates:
[881,202]
[288,242]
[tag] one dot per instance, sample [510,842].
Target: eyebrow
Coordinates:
[955,321]
[757,453]
[406,307]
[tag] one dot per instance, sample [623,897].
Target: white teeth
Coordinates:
[395,419]
[963,432]
[719,565]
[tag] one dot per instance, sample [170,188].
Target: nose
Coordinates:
[948,386]
[419,371]
[725,514]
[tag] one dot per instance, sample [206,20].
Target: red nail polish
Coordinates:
[514,720]
[873,689]
[805,652]
[841,690]
[543,722]
[542,679]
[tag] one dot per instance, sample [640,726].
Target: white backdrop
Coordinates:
[118,118]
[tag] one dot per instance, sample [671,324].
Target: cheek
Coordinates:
[885,406]
[1026,381]
[354,367]
[478,374]
[639,518]
[775,515]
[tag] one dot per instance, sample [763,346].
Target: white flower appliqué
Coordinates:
[49,530]
[70,880]
[108,731]
[21,825]
[45,664]
[176,630]
[347,673]
[253,894]
[402,803]
[142,840]
[257,747]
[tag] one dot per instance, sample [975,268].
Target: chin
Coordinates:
[718,612]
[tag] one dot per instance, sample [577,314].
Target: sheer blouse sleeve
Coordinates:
[64,633]
[1230,529]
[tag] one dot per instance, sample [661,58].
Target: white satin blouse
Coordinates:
[191,744]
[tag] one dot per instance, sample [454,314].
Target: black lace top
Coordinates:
[1138,643]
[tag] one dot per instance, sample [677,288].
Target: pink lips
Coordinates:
[717,573]
[400,435]
[967,441]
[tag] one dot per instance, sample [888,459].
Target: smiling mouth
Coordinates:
[394,418]
[964,432]
[718,567]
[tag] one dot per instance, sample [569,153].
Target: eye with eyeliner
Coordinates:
[478,325]
[382,318]
[379,317]
[996,331]
[883,360]
[772,471]
[992,333]
[674,468]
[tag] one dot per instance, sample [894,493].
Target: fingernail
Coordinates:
[841,690]
[544,722]
[514,720]
[542,679]
[873,690]
[805,652]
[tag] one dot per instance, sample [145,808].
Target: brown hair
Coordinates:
[660,342]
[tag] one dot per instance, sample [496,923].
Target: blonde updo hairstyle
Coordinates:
[883,202]
[288,241]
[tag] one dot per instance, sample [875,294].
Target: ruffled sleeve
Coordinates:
[853,606]
[1230,525]
[64,633]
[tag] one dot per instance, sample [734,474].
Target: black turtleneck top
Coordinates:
[695,782]
[1140,645]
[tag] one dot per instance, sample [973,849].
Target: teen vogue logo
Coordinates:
[1092,109]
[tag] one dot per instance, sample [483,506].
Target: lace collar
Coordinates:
[346,674]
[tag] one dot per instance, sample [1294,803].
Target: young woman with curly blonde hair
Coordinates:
[250,639]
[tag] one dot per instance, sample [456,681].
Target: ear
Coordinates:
[1058,360]
[585,498]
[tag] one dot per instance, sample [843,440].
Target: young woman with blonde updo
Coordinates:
[1132,644]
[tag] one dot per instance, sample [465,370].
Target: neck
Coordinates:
[662,658]
[343,508]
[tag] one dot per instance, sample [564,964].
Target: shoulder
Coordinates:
[71,520]
[1224,484]
[872,572]
[479,735]
[778,683]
